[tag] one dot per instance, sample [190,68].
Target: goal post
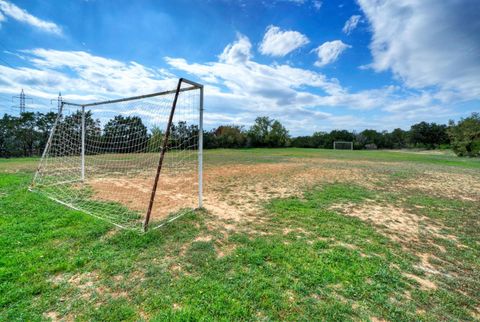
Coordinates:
[136,162]
[342,145]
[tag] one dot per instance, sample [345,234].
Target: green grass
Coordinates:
[259,155]
[302,261]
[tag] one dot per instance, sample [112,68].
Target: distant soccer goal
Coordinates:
[343,145]
[135,162]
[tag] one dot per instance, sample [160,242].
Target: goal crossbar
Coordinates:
[194,87]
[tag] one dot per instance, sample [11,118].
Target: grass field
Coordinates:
[287,234]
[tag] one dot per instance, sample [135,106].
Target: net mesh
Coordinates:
[343,145]
[123,142]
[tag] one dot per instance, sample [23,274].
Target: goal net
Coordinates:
[135,162]
[343,145]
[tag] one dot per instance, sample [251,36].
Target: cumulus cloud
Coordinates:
[237,52]
[329,52]
[351,24]
[428,43]
[303,99]
[237,89]
[10,10]
[277,42]
[80,75]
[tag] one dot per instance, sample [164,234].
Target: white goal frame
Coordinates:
[342,142]
[190,86]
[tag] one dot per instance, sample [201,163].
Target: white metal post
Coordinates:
[47,146]
[200,152]
[83,143]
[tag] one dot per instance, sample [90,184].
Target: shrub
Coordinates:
[465,136]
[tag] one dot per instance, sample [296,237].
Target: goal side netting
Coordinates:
[134,162]
[343,145]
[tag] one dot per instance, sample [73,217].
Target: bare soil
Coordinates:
[232,193]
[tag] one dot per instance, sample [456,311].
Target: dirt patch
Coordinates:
[138,276]
[203,239]
[375,319]
[56,317]
[425,284]
[232,193]
[296,230]
[449,185]
[89,283]
[405,228]
[84,281]
[225,249]
[397,223]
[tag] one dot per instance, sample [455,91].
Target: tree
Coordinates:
[339,135]
[465,136]
[303,142]
[71,129]
[9,146]
[277,136]
[45,124]
[182,135]
[26,133]
[125,134]
[322,140]
[156,139]
[429,135]
[258,131]
[398,138]
[209,140]
[372,138]
[266,132]
[230,136]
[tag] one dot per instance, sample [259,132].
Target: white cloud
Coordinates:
[237,52]
[277,42]
[302,99]
[317,4]
[21,15]
[237,88]
[351,24]
[299,2]
[80,75]
[428,43]
[329,52]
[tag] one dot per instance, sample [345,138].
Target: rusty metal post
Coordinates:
[162,155]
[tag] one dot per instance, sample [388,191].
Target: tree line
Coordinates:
[463,137]
[27,134]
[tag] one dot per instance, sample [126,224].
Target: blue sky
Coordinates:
[314,65]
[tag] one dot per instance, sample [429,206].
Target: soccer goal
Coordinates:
[135,162]
[343,145]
